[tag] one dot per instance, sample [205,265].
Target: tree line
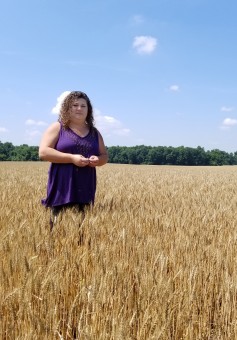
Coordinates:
[140,154]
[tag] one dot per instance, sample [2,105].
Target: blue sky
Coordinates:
[158,72]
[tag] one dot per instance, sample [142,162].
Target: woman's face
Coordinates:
[78,109]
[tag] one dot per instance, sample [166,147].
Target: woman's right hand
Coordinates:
[80,160]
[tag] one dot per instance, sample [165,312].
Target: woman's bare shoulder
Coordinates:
[52,132]
[55,126]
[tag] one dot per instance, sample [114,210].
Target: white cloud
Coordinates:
[33,122]
[227,109]
[109,125]
[228,122]
[137,19]
[56,108]
[33,136]
[144,44]
[33,133]
[3,129]
[174,88]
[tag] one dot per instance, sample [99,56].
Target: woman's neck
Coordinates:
[80,129]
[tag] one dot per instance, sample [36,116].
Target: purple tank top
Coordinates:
[68,183]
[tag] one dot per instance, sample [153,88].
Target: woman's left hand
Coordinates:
[93,161]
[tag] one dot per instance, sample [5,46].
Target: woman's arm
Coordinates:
[102,158]
[48,153]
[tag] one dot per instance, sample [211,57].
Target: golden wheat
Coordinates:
[154,259]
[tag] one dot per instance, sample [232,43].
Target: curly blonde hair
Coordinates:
[65,107]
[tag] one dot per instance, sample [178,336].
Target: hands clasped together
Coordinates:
[82,161]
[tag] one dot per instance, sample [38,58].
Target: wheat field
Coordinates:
[156,257]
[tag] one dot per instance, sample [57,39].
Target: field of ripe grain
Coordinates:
[158,258]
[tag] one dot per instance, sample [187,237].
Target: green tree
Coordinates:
[218,157]
[6,150]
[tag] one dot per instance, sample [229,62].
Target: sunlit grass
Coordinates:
[154,259]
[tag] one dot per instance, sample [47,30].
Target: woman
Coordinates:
[74,147]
